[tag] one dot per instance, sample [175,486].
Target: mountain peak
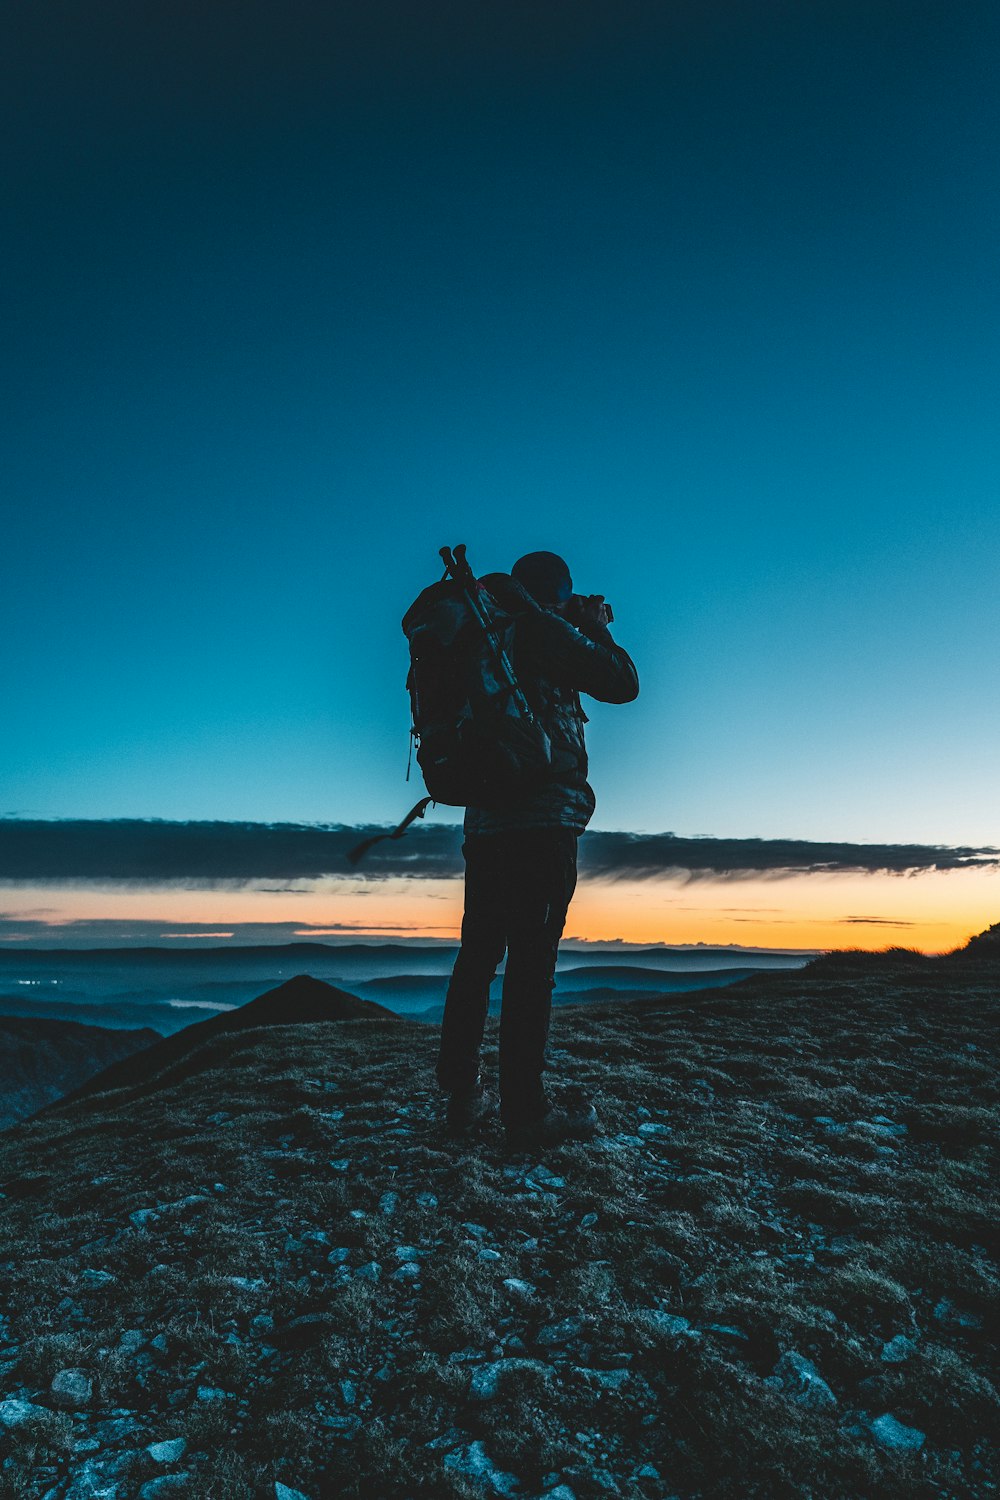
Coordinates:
[301,1001]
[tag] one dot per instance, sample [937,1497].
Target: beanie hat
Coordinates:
[545,576]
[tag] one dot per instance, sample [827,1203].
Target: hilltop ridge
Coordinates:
[300,1001]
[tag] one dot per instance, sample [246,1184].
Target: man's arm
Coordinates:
[586,660]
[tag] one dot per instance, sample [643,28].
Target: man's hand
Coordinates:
[592,607]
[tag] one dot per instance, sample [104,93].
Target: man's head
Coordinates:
[545,577]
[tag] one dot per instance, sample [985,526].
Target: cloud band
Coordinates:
[150,851]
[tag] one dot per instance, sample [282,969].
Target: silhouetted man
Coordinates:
[520,863]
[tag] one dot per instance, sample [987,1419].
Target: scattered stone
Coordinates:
[370,1272]
[71,1389]
[285,1492]
[486,1379]
[339,1256]
[654,1128]
[608,1380]
[885,1126]
[101,1476]
[165,1486]
[561,1492]
[473,1462]
[408,1271]
[141,1218]
[799,1379]
[14,1413]
[545,1178]
[587,1222]
[167,1452]
[161,1344]
[349,1392]
[96,1278]
[670,1324]
[561,1332]
[727,1331]
[131,1341]
[446,1440]
[388,1203]
[947,1312]
[407,1252]
[247,1283]
[341,1164]
[117,1430]
[898,1349]
[522,1290]
[895,1435]
[486,1254]
[427,1200]
[212,1393]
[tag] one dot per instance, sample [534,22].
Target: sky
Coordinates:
[702,297]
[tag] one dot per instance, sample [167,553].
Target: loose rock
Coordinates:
[669,1323]
[71,1389]
[14,1413]
[165,1486]
[167,1452]
[898,1349]
[798,1378]
[895,1435]
[474,1462]
[561,1332]
[486,1380]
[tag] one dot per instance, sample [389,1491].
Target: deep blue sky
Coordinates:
[703,296]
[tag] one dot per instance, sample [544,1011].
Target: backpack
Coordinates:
[477,740]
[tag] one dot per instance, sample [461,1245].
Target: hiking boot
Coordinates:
[468,1108]
[572,1121]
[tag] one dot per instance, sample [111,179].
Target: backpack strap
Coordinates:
[359,851]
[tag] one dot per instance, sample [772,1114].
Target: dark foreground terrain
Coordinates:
[265,1274]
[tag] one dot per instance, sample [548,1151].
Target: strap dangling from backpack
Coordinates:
[359,851]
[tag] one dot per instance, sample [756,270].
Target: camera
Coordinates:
[577,611]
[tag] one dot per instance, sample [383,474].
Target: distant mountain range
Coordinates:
[169,988]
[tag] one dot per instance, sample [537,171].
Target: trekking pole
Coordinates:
[457,564]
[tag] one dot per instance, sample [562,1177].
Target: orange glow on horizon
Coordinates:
[933,911]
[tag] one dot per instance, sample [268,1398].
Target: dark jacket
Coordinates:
[555,662]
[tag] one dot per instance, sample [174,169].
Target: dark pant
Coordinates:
[518,886]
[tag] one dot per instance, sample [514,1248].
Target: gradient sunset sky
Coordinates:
[702,296]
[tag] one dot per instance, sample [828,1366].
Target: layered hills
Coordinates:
[261,1270]
[41,1060]
[302,1001]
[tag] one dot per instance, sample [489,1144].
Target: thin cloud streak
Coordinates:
[204,855]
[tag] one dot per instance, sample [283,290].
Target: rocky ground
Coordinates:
[265,1273]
